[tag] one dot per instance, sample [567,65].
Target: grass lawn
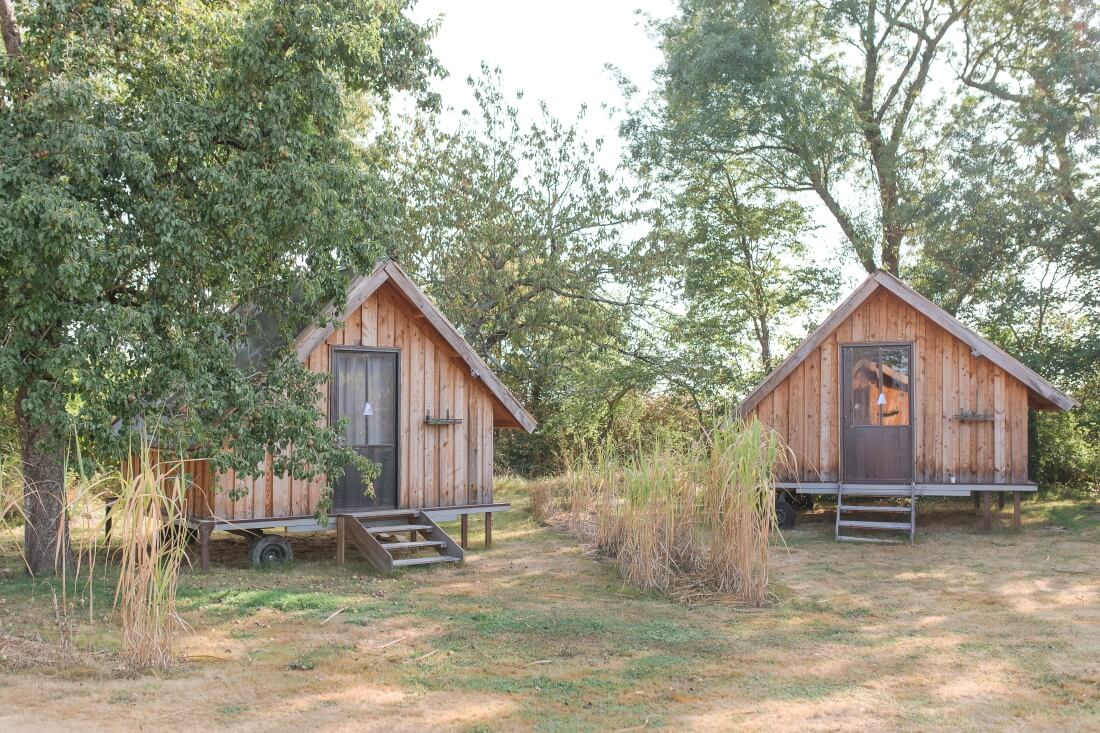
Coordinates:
[966,630]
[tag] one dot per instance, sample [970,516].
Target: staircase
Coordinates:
[397,539]
[887,517]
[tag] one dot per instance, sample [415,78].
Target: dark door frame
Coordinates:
[396,405]
[842,417]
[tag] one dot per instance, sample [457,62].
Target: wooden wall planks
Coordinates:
[440,465]
[805,407]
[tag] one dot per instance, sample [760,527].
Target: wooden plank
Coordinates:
[473,446]
[826,406]
[280,505]
[1000,444]
[916,333]
[386,317]
[983,458]
[812,411]
[486,450]
[402,340]
[353,329]
[965,397]
[947,374]
[368,321]
[416,418]
[796,419]
[460,494]
[1019,433]
[429,478]
[445,375]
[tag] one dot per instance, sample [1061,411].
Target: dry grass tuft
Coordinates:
[685,516]
[148,540]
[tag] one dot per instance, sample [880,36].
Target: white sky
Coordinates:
[552,51]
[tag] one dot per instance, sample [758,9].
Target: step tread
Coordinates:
[879,540]
[424,560]
[870,508]
[406,545]
[899,493]
[389,528]
[864,524]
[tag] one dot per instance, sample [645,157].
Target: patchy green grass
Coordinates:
[967,630]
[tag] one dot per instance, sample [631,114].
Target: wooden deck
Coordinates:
[829,488]
[308,523]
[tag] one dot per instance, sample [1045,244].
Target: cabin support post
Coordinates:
[107,520]
[204,545]
[987,510]
[1015,509]
[465,522]
[1000,501]
[341,538]
[488,529]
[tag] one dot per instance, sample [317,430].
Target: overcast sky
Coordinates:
[553,51]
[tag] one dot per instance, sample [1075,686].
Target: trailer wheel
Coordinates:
[270,550]
[784,513]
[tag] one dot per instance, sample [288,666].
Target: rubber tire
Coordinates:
[270,550]
[784,513]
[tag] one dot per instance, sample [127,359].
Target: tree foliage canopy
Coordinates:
[163,164]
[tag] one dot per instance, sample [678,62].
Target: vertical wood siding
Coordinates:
[440,465]
[948,379]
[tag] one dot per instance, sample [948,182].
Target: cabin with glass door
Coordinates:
[893,397]
[417,400]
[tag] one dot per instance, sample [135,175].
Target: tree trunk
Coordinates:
[46,527]
[9,28]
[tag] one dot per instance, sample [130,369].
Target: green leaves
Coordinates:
[164,163]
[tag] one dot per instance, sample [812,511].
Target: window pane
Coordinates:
[895,385]
[382,391]
[865,386]
[350,384]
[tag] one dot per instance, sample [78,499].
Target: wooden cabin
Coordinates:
[892,396]
[418,400]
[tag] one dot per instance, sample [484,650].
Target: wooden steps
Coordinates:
[394,528]
[845,507]
[422,535]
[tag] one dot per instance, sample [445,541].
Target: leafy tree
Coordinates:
[517,233]
[164,163]
[844,100]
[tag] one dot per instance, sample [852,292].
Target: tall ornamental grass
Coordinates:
[147,547]
[684,511]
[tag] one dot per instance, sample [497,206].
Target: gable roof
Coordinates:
[1046,394]
[362,287]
